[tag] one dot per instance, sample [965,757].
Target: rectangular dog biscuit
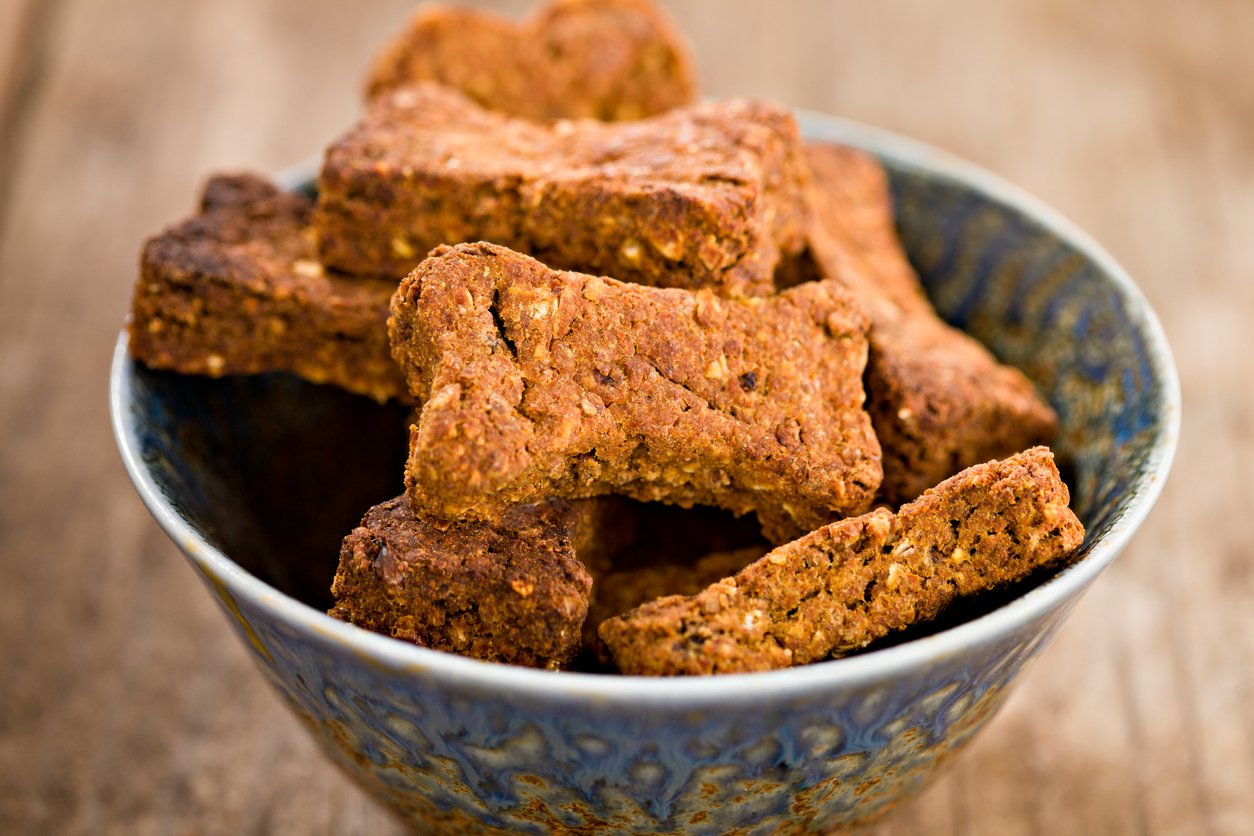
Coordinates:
[238,289]
[939,400]
[546,383]
[706,196]
[845,585]
[600,59]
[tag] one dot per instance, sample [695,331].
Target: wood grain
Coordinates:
[127,707]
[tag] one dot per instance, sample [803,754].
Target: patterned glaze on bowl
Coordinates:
[255,480]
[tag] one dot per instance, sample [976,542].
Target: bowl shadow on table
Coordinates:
[287,468]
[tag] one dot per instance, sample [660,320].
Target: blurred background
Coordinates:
[127,707]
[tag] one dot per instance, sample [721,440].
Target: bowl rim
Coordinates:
[850,672]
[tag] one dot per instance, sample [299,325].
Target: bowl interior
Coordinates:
[273,471]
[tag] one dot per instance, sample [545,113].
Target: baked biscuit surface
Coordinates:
[545,383]
[599,59]
[707,196]
[238,289]
[851,582]
[512,591]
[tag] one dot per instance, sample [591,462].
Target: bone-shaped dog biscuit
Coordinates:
[545,383]
[600,59]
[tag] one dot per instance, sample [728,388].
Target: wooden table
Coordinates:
[126,706]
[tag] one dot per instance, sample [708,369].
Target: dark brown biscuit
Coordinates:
[514,591]
[238,289]
[939,400]
[600,59]
[849,583]
[545,383]
[707,196]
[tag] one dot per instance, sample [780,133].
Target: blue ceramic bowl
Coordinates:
[254,481]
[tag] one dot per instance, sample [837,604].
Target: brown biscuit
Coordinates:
[939,400]
[237,289]
[514,591]
[707,196]
[600,59]
[545,383]
[854,581]
[620,590]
